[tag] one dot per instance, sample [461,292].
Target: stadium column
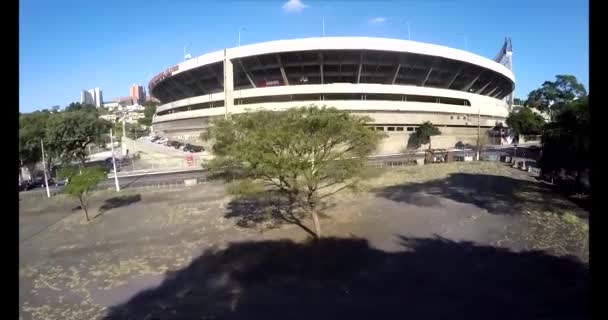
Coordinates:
[228,83]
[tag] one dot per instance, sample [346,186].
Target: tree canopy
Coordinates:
[553,96]
[87,108]
[524,121]
[567,140]
[72,132]
[31,130]
[149,111]
[301,153]
[79,185]
[422,135]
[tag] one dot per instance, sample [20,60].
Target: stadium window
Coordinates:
[379,128]
[342,96]
[427,99]
[410,129]
[454,101]
[390,129]
[383,96]
[451,117]
[399,128]
[458,118]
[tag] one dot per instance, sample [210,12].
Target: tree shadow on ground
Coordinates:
[117,202]
[495,193]
[337,278]
[269,210]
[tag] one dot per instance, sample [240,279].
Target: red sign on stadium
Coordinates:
[269,83]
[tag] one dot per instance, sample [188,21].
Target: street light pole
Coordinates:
[478,133]
[323,22]
[46,179]
[114,162]
[240,29]
[466,44]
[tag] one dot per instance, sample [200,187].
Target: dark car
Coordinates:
[196,149]
[25,185]
[110,167]
[178,145]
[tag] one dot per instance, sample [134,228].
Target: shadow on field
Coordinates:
[497,194]
[269,211]
[117,202]
[338,278]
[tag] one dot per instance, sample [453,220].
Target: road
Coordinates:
[171,178]
[165,178]
[131,182]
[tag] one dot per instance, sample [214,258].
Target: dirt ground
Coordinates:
[425,241]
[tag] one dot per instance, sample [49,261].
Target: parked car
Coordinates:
[61,182]
[110,167]
[25,185]
[196,149]
[186,147]
[178,145]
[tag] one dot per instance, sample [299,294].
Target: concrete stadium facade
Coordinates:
[398,83]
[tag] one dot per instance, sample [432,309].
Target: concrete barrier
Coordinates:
[190,182]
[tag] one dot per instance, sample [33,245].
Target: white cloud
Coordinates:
[294,6]
[377,20]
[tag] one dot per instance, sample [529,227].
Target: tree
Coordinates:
[133,130]
[303,154]
[523,121]
[80,185]
[422,135]
[552,97]
[102,111]
[87,108]
[518,102]
[31,130]
[567,141]
[71,132]
[149,111]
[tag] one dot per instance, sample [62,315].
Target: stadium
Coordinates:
[398,83]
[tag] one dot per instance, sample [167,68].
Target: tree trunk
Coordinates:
[84,207]
[315,219]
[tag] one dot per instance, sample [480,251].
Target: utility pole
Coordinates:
[466,44]
[46,179]
[114,162]
[124,132]
[323,22]
[240,29]
[478,133]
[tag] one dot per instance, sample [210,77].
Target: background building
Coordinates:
[93,96]
[137,93]
[399,84]
[86,97]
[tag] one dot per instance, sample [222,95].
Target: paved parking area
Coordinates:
[70,269]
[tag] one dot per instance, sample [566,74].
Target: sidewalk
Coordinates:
[154,171]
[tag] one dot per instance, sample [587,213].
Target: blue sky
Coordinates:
[69,45]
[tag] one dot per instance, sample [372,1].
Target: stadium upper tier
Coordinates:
[334,60]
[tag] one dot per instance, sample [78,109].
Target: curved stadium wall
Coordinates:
[398,83]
